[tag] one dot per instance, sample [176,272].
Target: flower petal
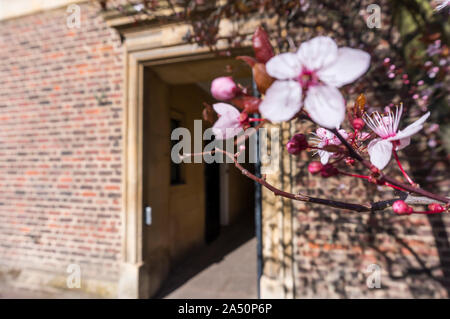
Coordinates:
[403,143]
[228,124]
[324,156]
[420,121]
[317,53]
[325,105]
[413,128]
[380,152]
[284,66]
[323,133]
[225,108]
[349,65]
[282,101]
[223,129]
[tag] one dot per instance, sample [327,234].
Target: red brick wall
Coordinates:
[60,143]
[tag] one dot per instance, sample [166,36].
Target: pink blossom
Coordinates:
[386,127]
[297,144]
[315,167]
[229,123]
[435,207]
[223,88]
[323,138]
[320,68]
[358,124]
[400,207]
[433,128]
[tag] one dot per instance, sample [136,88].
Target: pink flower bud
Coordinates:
[358,124]
[328,170]
[315,167]
[223,88]
[297,144]
[435,207]
[400,207]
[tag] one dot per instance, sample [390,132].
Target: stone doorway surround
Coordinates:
[154,44]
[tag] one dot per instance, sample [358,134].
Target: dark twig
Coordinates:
[377,206]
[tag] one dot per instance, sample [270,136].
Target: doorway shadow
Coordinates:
[231,238]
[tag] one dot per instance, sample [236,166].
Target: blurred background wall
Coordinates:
[60,147]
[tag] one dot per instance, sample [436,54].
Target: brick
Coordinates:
[54,133]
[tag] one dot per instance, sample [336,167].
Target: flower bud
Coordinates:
[358,124]
[261,45]
[400,207]
[435,207]
[328,170]
[297,144]
[315,167]
[223,88]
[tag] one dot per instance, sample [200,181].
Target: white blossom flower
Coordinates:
[380,149]
[229,123]
[324,137]
[319,68]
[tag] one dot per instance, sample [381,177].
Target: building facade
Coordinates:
[83,156]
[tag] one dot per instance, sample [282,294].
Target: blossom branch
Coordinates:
[372,207]
[352,153]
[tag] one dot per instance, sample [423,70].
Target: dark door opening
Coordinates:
[212,201]
[197,220]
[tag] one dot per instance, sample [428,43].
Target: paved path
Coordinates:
[226,268]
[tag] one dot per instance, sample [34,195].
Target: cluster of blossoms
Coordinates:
[432,69]
[305,85]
